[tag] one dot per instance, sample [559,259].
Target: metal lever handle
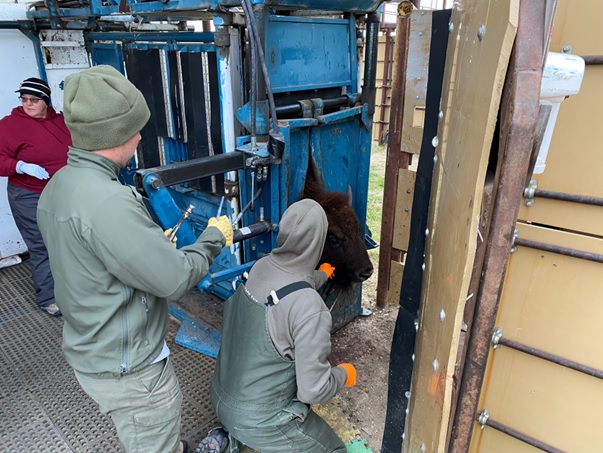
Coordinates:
[176,227]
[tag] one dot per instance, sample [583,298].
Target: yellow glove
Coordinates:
[223,224]
[327,269]
[167,235]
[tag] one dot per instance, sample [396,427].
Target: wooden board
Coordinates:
[416,81]
[473,81]
[395,278]
[406,184]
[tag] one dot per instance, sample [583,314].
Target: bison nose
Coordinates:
[366,273]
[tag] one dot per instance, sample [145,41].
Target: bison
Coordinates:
[344,246]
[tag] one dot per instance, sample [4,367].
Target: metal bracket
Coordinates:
[513,246]
[528,193]
[496,336]
[318,107]
[306,108]
[222,37]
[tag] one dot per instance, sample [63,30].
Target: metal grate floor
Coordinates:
[42,407]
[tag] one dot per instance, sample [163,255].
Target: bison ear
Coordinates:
[350,196]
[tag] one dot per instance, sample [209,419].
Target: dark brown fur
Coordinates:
[344,247]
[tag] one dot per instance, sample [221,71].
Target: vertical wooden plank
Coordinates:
[479,48]
[406,185]
[395,278]
[416,80]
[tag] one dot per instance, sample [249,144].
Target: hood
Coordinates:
[301,237]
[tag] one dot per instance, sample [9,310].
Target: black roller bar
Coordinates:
[202,167]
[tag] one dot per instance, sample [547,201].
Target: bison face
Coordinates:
[344,248]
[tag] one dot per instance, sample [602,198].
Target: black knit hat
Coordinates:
[35,87]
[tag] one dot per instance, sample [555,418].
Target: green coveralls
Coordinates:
[258,405]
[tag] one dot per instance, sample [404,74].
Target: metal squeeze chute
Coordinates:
[238,109]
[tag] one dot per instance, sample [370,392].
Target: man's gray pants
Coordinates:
[24,204]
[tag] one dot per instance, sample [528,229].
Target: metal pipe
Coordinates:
[548,357]
[369,90]
[338,101]
[254,29]
[574,198]
[593,59]
[487,421]
[250,231]
[254,81]
[180,172]
[559,250]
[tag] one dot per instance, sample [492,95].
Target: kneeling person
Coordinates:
[273,362]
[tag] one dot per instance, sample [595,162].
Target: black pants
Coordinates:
[23,204]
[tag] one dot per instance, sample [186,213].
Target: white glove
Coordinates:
[32,170]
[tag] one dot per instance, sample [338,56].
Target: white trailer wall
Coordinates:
[18,61]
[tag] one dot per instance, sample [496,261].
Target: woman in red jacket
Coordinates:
[34,141]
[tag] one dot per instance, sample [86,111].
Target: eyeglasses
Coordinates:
[25,100]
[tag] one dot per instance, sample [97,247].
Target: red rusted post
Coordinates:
[396,159]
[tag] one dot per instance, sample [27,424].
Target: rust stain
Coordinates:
[433,385]
[436,384]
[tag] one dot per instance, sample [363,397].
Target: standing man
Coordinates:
[33,147]
[114,267]
[276,340]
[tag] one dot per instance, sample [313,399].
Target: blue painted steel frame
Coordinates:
[169,203]
[339,142]
[97,8]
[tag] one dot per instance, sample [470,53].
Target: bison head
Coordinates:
[344,246]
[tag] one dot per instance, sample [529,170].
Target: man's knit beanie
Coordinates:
[35,87]
[102,108]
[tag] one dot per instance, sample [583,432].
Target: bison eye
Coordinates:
[333,240]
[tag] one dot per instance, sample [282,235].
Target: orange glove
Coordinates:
[327,269]
[351,372]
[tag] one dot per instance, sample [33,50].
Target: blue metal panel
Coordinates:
[195,334]
[110,54]
[106,8]
[308,53]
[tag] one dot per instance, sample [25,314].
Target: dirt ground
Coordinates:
[366,343]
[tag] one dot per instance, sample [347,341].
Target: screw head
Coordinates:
[481,31]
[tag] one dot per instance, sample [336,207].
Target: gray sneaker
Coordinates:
[215,442]
[52,309]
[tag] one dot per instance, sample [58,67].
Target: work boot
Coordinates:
[215,442]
